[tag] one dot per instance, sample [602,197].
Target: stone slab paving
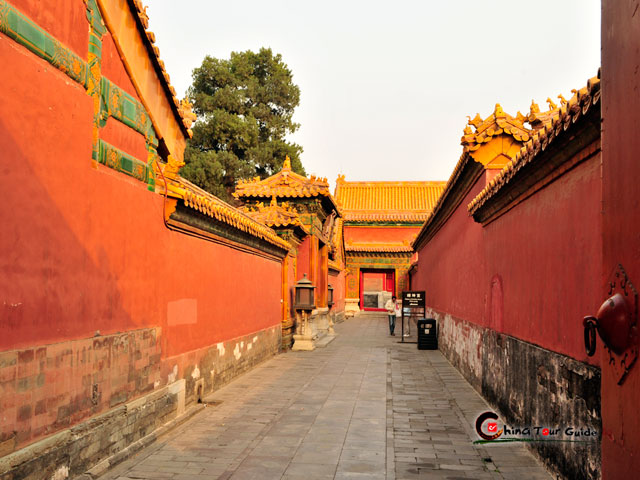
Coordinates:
[364,407]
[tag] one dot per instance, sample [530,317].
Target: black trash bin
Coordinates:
[427,334]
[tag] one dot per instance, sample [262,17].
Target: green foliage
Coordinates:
[245,107]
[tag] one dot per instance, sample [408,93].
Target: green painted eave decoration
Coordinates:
[25,32]
[118,104]
[94,18]
[115,158]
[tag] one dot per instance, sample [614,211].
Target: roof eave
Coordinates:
[464,176]
[160,72]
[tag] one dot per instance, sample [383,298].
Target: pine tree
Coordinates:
[245,107]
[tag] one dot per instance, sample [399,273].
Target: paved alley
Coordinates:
[363,407]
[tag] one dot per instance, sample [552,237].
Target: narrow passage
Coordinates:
[364,407]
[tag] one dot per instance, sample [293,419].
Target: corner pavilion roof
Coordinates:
[495,124]
[274,215]
[284,184]
[552,124]
[409,202]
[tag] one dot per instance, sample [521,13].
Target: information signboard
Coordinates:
[413,308]
[413,300]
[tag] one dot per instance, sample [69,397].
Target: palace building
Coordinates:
[381,219]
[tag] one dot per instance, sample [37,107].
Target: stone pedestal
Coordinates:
[320,321]
[351,307]
[331,331]
[302,343]
[303,340]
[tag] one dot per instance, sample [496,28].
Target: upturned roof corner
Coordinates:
[547,127]
[285,184]
[486,144]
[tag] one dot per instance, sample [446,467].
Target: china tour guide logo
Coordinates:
[489,429]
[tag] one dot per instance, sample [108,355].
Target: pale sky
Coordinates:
[386,87]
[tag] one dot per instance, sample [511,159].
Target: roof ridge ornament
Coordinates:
[185,109]
[287,164]
[477,121]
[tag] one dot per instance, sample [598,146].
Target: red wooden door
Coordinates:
[372,283]
[390,283]
[621,220]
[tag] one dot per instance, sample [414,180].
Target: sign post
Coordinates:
[413,307]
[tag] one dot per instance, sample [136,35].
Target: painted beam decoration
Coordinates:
[25,32]
[109,99]
[116,103]
[115,158]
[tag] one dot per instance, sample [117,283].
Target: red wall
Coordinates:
[66,20]
[451,267]
[621,220]
[543,253]
[529,273]
[85,248]
[303,259]
[113,68]
[337,281]
[379,234]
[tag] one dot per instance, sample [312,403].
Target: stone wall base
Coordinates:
[529,386]
[75,450]
[119,391]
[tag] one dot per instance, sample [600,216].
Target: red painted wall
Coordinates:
[544,251]
[529,273]
[358,234]
[303,259]
[113,68]
[338,283]
[621,219]
[291,279]
[66,20]
[85,248]
[451,267]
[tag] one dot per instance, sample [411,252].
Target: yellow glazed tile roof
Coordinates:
[284,184]
[499,122]
[567,114]
[387,201]
[387,247]
[182,107]
[274,215]
[495,124]
[202,201]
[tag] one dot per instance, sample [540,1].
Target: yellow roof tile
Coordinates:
[387,201]
[495,124]
[182,108]
[379,247]
[196,198]
[274,215]
[284,184]
[567,114]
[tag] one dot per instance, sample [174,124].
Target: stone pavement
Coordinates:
[363,407]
